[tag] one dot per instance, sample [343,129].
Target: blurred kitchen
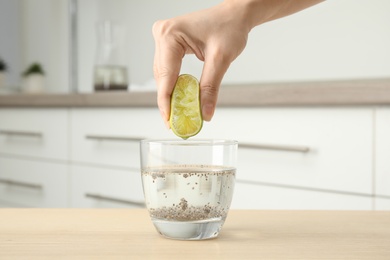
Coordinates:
[308,100]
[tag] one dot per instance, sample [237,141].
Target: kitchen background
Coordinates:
[68,160]
[334,40]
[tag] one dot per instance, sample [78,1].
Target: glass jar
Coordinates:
[110,72]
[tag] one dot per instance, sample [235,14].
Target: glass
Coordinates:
[110,72]
[188,185]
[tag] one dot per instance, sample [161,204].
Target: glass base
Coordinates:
[189,230]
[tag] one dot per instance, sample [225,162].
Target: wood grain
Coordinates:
[247,234]
[322,93]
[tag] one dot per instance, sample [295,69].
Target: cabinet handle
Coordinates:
[22,184]
[285,148]
[114,138]
[21,133]
[122,201]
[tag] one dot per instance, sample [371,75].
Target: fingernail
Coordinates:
[167,125]
[163,115]
[166,122]
[207,112]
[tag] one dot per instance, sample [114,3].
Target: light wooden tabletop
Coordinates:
[247,234]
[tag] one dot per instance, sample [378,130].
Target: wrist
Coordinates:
[251,12]
[256,12]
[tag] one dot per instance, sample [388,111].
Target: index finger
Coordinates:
[167,63]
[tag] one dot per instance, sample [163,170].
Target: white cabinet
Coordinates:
[105,188]
[111,136]
[29,183]
[382,158]
[251,196]
[302,158]
[105,154]
[382,203]
[289,158]
[339,143]
[36,133]
[33,157]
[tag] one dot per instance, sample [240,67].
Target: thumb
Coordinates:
[212,75]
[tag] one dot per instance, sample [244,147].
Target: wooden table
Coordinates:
[249,234]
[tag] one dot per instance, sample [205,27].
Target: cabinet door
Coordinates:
[382,203]
[322,148]
[249,196]
[93,187]
[34,132]
[26,183]
[111,136]
[382,158]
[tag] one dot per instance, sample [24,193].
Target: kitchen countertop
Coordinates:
[322,93]
[247,234]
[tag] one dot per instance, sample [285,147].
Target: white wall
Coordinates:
[333,40]
[10,40]
[35,31]
[45,40]
[139,17]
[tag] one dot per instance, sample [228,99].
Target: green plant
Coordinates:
[3,65]
[34,68]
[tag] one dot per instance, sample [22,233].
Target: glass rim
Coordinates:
[194,142]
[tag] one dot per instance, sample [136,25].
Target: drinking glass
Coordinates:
[188,185]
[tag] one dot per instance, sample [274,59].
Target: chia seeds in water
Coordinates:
[188,192]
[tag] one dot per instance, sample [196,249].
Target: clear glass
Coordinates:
[110,72]
[188,185]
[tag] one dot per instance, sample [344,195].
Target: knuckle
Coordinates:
[222,55]
[162,72]
[210,90]
[156,27]
[162,27]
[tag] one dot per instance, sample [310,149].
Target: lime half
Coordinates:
[186,116]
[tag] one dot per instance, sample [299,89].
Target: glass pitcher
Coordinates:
[110,72]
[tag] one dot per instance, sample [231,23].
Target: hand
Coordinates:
[216,36]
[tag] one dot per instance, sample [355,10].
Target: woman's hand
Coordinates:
[216,36]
